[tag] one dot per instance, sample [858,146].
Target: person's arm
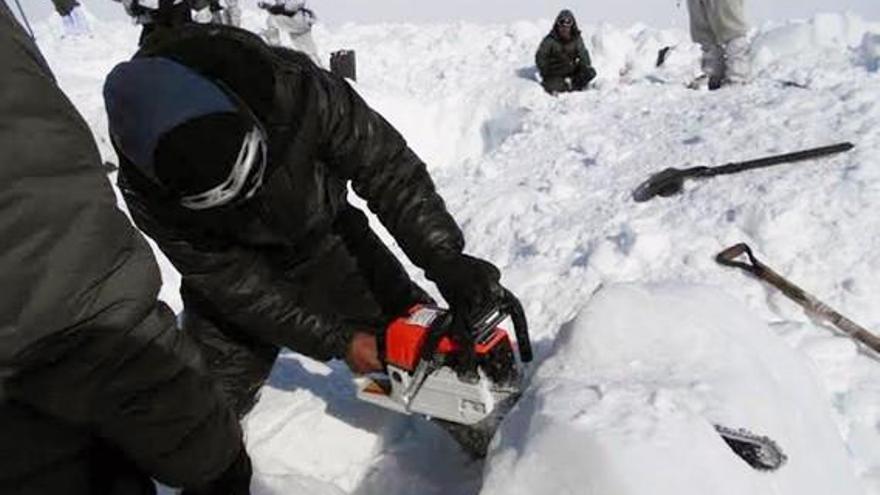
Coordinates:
[359,145]
[389,283]
[363,147]
[242,287]
[584,54]
[542,57]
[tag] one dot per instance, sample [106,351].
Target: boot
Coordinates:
[75,23]
[736,57]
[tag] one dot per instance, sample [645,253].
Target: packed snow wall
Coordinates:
[626,404]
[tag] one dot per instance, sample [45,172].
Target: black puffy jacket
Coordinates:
[237,262]
[97,385]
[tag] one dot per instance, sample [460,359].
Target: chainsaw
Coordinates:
[465,384]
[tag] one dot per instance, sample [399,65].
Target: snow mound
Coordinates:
[819,40]
[627,401]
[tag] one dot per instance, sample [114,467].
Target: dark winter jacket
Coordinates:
[558,58]
[94,375]
[245,266]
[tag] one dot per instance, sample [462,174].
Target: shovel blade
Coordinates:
[665,183]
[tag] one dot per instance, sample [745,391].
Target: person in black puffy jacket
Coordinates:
[236,157]
[99,391]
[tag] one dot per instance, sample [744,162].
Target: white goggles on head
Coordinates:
[244,179]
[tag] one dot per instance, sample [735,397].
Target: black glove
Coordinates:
[470,286]
[236,480]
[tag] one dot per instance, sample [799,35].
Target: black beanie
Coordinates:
[199,153]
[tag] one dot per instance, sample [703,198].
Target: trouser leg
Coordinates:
[726,19]
[299,29]
[728,23]
[712,61]
[234,12]
[737,58]
[306,44]
[272,33]
[582,77]
[64,7]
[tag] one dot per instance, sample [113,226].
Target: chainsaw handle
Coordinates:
[517,315]
[509,305]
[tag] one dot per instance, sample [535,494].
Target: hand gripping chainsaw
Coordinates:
[470,381]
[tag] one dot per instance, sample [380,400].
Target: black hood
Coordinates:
[565,14]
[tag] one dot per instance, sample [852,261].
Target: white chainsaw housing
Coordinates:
[443,395]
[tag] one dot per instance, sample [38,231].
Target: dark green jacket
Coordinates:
[245,267]
[89,362]
[558,58]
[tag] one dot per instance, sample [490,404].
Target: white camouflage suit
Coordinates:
[297,26]
[719,26]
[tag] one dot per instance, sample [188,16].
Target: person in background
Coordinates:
[225,12]
[156,15]
[719,26]
[99,390]
[72,17]
[293,18]
[562,59]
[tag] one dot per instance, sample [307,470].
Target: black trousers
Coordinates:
[43,455]
[576,81]
[357,278]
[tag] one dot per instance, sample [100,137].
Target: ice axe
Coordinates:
[670,182]
[731,257]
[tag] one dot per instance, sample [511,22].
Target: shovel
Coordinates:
[670,182]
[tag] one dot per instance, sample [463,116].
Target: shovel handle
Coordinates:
[729,256]
[813,306]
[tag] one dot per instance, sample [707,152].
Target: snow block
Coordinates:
[626,404]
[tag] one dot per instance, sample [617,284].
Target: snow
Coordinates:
[541,186]
[627,400]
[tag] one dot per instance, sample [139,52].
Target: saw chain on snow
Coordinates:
[759,451]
